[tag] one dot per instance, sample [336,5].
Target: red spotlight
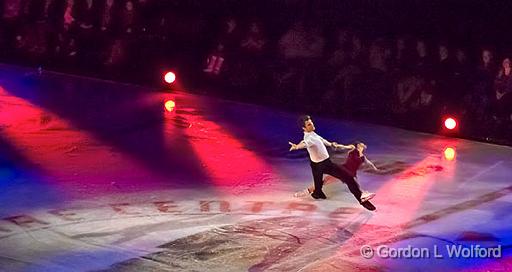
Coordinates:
[169,77]
[169,105]
[449,153]
[450,123]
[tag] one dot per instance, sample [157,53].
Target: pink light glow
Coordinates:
[225,158]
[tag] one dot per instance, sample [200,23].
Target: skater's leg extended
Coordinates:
[340,174]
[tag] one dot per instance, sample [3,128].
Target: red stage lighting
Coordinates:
[169,105]
[170,77]
[450,123]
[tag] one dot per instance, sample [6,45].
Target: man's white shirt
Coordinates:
[315,145]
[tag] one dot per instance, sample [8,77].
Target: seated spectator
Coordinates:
[67,48]
[84,14]
[378,56]
[339,57]
[316,43]
[401,57]
[503,92]
[293,43]
[487,67]
[37,40]
[423,65]
[55,18]
[69,18]
[299,42]
[462,75]
[344,88]
[48,4]
[215,60]
[478,100]
[414,97]
[128,18]
[11,20]
[358,55]
[254,41]
[115,57]
[375,87]
[106,16]
[226,44]
[30,42]
[300,49]
[444,72]
[145,10]
[20,45]
[62,21]
[12,10]
[407,92]
[105,25]
[247,68]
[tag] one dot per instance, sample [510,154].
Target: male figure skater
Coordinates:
[321,164]
[354,160]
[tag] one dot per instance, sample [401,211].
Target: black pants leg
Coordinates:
[339,173]
[318,175]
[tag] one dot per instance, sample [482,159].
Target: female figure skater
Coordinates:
[354,160]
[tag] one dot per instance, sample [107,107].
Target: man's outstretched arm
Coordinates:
[298,146]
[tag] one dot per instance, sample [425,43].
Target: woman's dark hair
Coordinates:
[302,120]
[355,143]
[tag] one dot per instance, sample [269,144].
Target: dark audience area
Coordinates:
[399,63]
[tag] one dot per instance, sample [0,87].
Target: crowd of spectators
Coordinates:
[286,58]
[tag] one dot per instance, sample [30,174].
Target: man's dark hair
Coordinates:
[302,120]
